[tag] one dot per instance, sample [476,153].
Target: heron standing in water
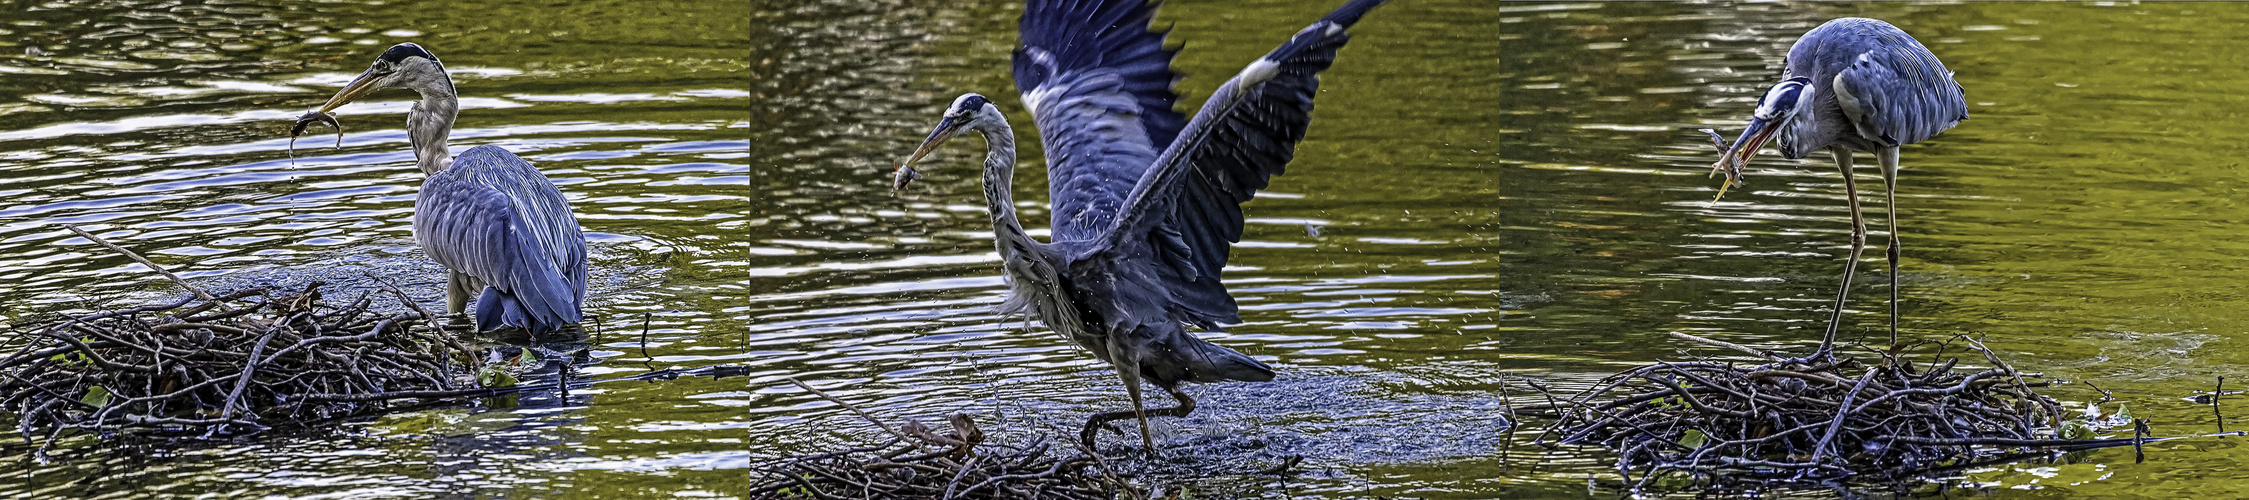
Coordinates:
[1853,84]
[1146,204]
[500,226]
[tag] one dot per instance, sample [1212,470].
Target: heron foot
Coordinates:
[1099,421]
[1104,420]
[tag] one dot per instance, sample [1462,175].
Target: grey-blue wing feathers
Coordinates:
[1098,83]
[493,216]
[1140,238]
[1062,38]
[1892,89]
[1157,265]
[1189,204]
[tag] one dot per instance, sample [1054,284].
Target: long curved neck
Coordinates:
[999,176]
[430,123]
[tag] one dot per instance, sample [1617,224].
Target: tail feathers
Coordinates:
[496,309]
[1206,362]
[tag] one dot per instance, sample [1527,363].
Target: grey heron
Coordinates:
[1853,84]
[1146,204]
[502,228]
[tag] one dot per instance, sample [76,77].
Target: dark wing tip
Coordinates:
[1350,13]
[1247,144]
[1321,39]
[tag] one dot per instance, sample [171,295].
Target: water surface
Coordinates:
[1499,190]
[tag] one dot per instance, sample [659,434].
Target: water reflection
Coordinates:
[1499,191]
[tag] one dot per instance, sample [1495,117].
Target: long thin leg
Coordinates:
[1889,157]
[1095,423]
[1858,248]
[456,293]
[1140,412]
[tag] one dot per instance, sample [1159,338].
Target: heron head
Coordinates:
[405,65]
[966,112]
[1773,110]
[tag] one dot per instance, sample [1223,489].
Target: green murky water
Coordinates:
[1501,190]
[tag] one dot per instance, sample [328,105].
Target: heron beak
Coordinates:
[359,87]
[946,130]
[1745,147]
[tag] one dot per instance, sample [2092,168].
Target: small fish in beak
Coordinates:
[905,174]
[1772,111]
[306,121]
[366,83]
[1731,169]
[946,129]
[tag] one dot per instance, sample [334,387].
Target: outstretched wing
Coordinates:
[493,216]
[1245,134]
[1896,91]
[1098,83]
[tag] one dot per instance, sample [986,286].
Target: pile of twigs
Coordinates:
[215,367]
[1817,422]
[230,365]
[920,462]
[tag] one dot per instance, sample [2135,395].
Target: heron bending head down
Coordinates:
[1853,84]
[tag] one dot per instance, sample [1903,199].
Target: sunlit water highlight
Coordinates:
[1489,191]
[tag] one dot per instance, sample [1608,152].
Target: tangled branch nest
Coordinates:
[1818,422]
[921,462]
[231,365]
[219,367]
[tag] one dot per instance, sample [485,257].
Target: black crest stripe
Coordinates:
[404,50]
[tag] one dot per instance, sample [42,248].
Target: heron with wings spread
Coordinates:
[1146,203]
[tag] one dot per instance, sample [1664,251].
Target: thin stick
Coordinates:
[446,345]
[249,367]
[1841,414]
[848,406]
[1993,357]
[2214,395]
[646,360]
[2139,438]
[199,293]
[1729,345]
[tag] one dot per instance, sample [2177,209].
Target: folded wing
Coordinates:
[1898,93]
[493,216]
